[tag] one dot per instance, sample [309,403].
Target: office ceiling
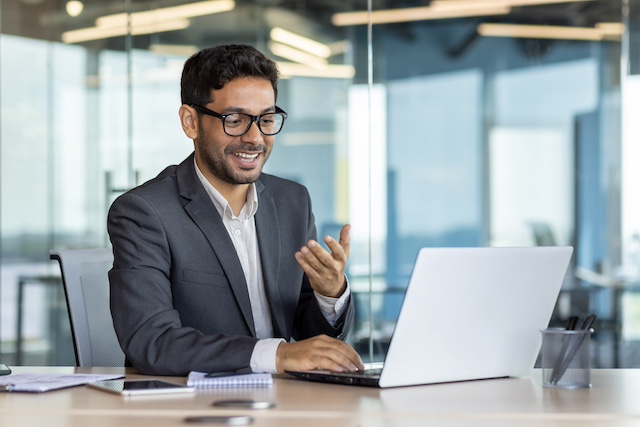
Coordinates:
[47,19]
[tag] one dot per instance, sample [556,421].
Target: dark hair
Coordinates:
[214,67]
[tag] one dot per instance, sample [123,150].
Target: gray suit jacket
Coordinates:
[179,299]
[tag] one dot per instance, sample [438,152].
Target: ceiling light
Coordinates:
[439,9]
[331,71]
[472,4]
[414,14]
[540,32]
[340,47]
[173,49]
[296,55]
[189,10]
[611,30]
[74,8]
[96,33]
[300,42]
[153,21]
[516,3]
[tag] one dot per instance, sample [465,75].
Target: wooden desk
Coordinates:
[523,402]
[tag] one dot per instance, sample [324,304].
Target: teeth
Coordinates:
[245,156]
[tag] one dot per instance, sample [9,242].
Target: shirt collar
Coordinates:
[222,205]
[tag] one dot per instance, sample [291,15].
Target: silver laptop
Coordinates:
[467,314]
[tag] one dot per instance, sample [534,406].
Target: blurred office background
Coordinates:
[423,123]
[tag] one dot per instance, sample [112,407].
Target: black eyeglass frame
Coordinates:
[223,117]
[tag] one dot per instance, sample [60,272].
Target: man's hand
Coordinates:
[326,270]
[320,352]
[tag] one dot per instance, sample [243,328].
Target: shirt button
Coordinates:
[238,232]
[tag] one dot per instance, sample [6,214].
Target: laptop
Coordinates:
[467,314]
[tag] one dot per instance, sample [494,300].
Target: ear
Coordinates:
[189,121]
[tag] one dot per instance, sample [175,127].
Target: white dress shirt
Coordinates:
[242,230]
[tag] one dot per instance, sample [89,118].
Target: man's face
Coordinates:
[235,159]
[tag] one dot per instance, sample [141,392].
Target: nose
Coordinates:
[253,135]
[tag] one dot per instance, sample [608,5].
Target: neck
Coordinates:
[235,194]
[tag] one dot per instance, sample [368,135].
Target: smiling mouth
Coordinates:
[248,158]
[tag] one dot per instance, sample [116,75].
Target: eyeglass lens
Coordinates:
[238,124]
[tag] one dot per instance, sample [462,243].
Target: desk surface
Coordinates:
[614,399]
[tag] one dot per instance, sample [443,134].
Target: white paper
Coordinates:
[38,383]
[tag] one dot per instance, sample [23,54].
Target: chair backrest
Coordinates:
[86,288]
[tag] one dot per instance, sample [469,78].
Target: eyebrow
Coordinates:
[232,110]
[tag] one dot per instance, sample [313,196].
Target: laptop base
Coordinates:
[337,378]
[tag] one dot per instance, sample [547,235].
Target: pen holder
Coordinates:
[566,358]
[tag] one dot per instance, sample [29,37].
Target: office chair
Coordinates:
[86,289]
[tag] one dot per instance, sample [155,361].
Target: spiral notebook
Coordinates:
[198,380]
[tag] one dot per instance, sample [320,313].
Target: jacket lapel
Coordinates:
[268,230]
[205,216]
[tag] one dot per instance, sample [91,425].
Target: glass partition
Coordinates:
[425,126]
[503,130]
[91,110]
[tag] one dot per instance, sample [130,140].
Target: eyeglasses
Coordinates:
[237,124]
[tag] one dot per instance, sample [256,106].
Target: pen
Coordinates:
[588,322]
[566,359]
[571,325]
[225,374]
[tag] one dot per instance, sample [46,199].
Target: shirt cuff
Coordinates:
[332,308]
[263,358]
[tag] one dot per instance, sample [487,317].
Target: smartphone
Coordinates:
[4,369]
[229,420]
[245,403]
[140,387]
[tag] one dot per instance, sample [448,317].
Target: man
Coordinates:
[216,265]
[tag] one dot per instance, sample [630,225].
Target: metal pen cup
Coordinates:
[566,358]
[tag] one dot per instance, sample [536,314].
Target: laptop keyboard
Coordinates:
[373,372]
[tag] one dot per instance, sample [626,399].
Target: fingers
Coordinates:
[321,352]
[318,264]
[326,270]
[317,257]
[329,279]
[340,250]
[345,239]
